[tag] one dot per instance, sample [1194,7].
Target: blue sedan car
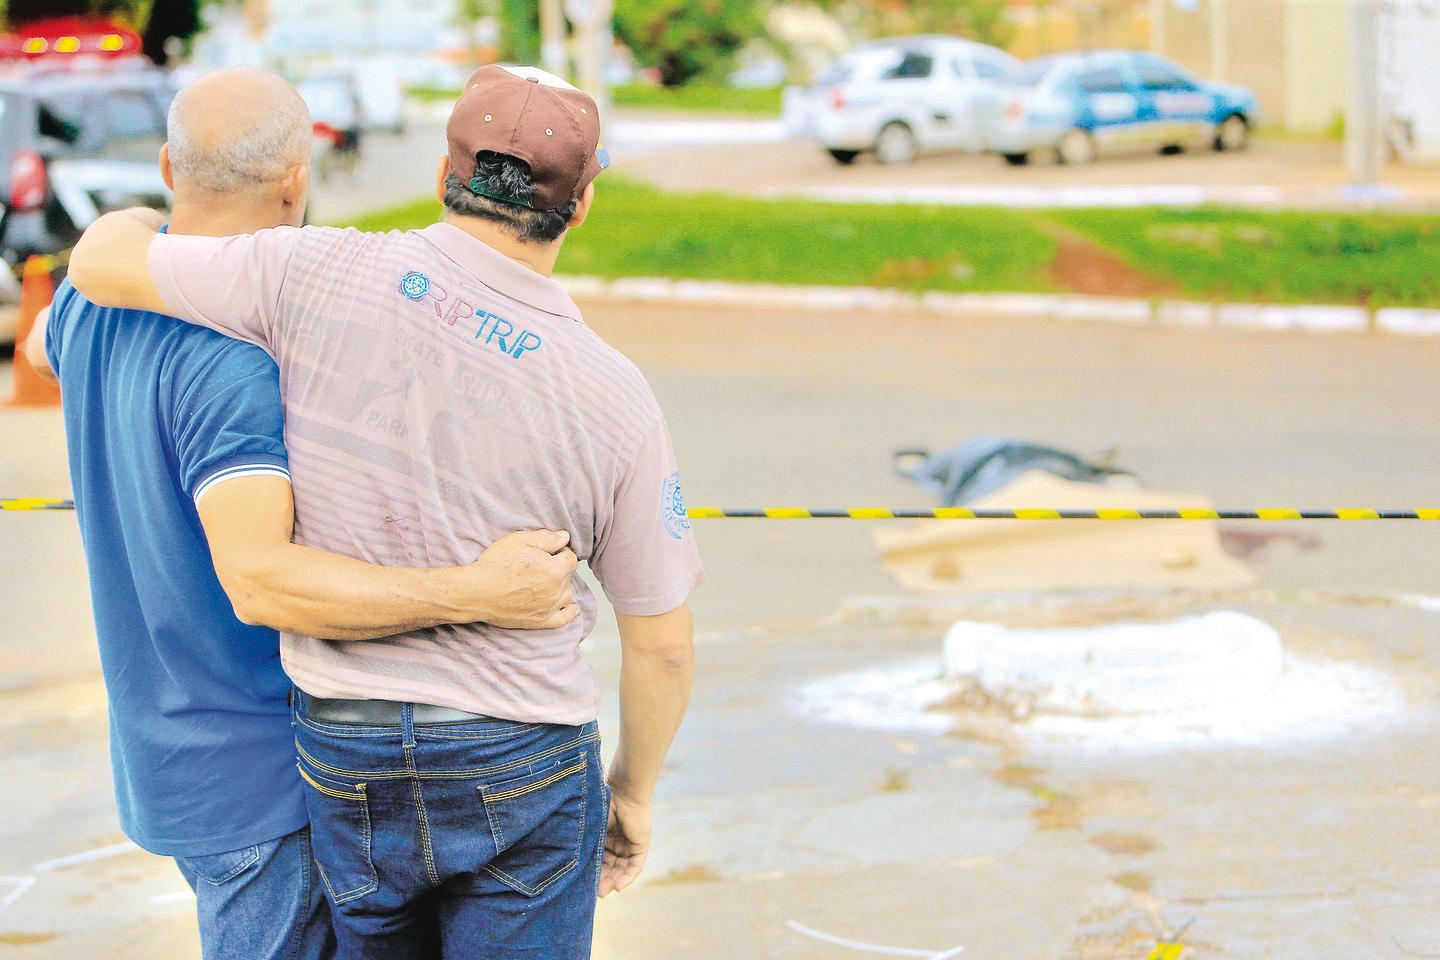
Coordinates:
[1078,105]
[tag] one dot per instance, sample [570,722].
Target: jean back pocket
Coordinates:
[340,834]
[538,822]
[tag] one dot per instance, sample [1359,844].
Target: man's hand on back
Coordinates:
[524,581]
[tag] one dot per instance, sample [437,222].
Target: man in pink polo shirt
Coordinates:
[441,391]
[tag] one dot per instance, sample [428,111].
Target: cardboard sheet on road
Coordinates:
[949,556]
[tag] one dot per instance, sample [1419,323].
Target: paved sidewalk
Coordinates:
[975,833]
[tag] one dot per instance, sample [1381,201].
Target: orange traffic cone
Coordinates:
[36,292]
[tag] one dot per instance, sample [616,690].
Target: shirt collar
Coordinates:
[499,272]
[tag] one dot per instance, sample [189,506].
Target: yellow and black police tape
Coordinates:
[962,513]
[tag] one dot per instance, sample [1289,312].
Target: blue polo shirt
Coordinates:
[156,412]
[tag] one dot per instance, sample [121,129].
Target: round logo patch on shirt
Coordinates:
[415,285]
[672,506]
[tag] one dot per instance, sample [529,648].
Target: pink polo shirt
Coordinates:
[438,396]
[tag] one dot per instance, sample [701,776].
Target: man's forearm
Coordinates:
[111,263]
[34,348]
[318,594]
[656,672]
[521,581]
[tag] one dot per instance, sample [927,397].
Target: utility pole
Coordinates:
[552,38]
[1363,132]
[1219,54]
[592,47]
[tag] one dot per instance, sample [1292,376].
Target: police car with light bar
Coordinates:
[82,118]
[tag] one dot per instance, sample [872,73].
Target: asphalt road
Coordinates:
[687,152]
[1311,842]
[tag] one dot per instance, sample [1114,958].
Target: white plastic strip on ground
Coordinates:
[1422,602]
[1304,318]
[876,948]
[21,884]
[89,856]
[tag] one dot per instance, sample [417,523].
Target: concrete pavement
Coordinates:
[983,834]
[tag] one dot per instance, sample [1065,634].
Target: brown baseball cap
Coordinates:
[531,114]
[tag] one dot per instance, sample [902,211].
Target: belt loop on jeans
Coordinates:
[407,725]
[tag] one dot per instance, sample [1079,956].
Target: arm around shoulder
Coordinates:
[110,265]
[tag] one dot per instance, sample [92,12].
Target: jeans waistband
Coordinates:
[381,713]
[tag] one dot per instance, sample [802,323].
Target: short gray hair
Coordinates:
[509,177]
[244,160]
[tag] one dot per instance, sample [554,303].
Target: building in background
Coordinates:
[1054,26]
[1410,77]
[1296,56]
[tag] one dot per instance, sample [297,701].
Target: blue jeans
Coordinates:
[476,839]
[261,903]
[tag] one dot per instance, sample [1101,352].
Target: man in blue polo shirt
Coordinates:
[182,489]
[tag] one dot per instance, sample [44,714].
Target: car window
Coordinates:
[1109,80]
[862,65]
[912,66]
[1032,73]
[1159,76]
[131,115]
[60,118]
[987,69]
[134,126]
[120,124]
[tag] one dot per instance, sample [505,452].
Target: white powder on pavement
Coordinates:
[1290,701]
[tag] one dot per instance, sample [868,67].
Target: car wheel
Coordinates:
[896,144]
[1077,146]
[1171,149]
[844,157]
[1016,159]
[1234,133]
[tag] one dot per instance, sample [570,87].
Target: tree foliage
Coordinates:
[982,20]
[687,39]
[520,31]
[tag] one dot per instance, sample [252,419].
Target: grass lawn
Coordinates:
[1207,254]
[689,99]
[698,98]
[637,230]
[1285,256]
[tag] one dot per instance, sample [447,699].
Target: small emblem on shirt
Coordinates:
[672,506]
[491,330]
[415,285]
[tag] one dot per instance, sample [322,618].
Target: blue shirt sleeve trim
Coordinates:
[241,465]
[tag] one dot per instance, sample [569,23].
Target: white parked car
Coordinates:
[901,96]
